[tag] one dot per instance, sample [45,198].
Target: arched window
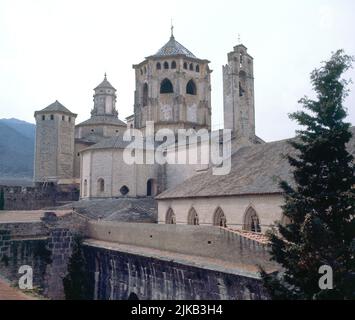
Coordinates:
[133,296]
[191,67]
[100,185]
[191,88]
[158,66]
[166,65]
[173,65]
[197,68]
[219,218]
[151,187]
[185,65]
[145,95]
[85,188]
[251,221]
[193,217]
[124,190]
[52,117]
[43,117]
[166,86]
[241,90]
[170,217]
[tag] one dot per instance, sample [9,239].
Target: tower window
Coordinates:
[145,95]
[69,119]
[241,90]
[43,117]
[52,117]
[166,86]
[197,68]
[151,187]
[166,65]
[185,65]
[141,72]
[173,65]
[145,70]
[191,67]
[191,88]
[158,66]
[63,118]
[241,59]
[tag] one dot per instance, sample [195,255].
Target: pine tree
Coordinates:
[321,202]
[77,283]
[2,199]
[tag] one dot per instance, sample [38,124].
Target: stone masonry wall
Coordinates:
[116,275]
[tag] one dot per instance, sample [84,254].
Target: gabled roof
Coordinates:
[56,107]
[255,169]
[172,48]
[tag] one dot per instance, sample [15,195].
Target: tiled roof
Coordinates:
[173,47]
[110,120]
[56,106]
[255,169]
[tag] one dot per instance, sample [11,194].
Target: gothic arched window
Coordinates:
[219,218]
[145,95]
[173,65]
[191,88]
[193,217]
[166,65]
[158,66]
[185,65]
[166,86]
[170,217]
[251,221]
[191,67]
[197,68]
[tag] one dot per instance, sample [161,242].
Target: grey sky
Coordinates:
[61,49]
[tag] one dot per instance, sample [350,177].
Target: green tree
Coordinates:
[2,199]
[77,283]
[320,204]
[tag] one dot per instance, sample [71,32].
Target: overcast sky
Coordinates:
[60,50]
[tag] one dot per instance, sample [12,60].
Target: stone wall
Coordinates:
[34,198]
[116,275]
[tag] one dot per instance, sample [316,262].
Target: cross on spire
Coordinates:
[239,42]
[172,28]
[105,76]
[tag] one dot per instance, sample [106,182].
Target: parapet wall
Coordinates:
[203,241]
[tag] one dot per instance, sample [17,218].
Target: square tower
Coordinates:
[238,94]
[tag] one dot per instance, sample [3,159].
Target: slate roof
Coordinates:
[105,84]
[255,169]
[108,120]
[172,48]
[56,106]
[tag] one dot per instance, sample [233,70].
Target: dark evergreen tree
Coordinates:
[321,203]
[2,199]
[77,282]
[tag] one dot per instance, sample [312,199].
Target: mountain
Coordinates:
[17,139]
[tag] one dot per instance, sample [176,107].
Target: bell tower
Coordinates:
[238,94]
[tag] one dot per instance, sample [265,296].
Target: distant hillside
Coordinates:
[17,140]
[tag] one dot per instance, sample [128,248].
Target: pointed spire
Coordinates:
[105,76]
